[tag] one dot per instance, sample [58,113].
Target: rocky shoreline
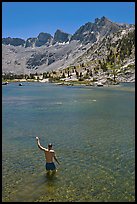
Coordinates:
[71,82]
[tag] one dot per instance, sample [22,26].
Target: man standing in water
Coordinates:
[49,156]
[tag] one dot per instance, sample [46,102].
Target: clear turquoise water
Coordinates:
[93,133]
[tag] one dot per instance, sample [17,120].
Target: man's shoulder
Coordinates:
[52,151]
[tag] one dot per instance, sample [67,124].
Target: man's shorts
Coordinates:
[50,166]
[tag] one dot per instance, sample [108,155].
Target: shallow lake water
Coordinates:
[92,130]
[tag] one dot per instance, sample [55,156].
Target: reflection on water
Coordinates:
[92,130]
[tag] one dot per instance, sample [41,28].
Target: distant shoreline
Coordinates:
[70,83]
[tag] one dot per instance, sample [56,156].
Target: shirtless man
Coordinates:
[49,156]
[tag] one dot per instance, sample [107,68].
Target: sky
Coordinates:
[28,19]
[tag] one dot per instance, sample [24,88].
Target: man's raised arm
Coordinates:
[39,145]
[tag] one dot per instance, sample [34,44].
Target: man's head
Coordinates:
[49,146]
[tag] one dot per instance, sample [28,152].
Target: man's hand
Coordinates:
[37,138]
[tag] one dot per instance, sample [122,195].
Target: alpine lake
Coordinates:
[92,130]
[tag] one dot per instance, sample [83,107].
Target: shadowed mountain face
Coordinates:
[46,52]
[42,39]
[13,41]
[61,37]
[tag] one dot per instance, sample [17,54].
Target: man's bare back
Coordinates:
[49,155]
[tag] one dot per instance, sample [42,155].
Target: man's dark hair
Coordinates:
[49,145]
